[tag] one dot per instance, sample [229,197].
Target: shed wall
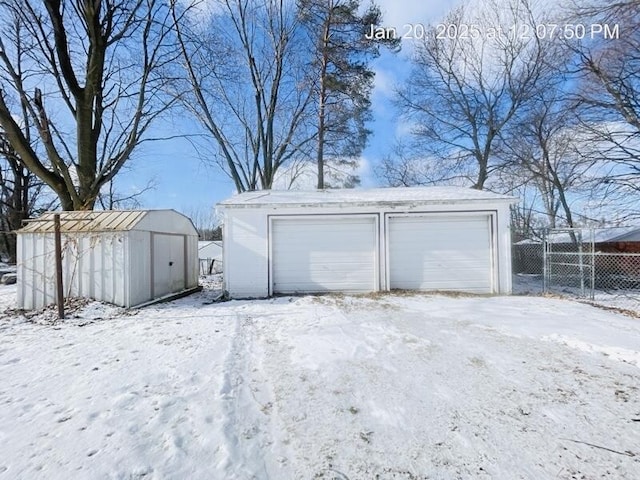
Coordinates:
[36,279]
[93,266]
[139,267]
[193,266]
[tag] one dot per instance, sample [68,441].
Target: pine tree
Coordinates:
[342,77]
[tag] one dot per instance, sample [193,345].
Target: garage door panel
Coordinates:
[435,253]
[324,254]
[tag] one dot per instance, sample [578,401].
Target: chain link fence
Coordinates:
[600,265]
[527,266]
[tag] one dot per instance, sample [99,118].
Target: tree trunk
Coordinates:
[323,100]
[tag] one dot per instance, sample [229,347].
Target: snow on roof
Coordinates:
[400,195]
[87,221]
[613,234]
[528,241]
[207,243]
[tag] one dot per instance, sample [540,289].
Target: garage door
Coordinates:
[324,254]
[432,252]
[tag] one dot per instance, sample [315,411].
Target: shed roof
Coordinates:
[357,196]
[90,221]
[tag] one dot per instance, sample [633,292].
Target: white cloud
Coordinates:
[397,13]
[303,175]
[384,82]
[200,12]
[404,128]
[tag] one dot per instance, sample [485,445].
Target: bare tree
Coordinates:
[89,75]
[543,148]
[22,195]
[464,89]
[206,222]
[340,173]
[609,87]
[409,165]
[112,198]
[248,87]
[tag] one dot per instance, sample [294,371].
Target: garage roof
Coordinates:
[372,196]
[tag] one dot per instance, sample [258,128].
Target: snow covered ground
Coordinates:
[622,299]
[321,387]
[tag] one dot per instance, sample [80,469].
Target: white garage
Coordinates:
[422,238]
[122,257]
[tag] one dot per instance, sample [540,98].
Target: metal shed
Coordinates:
[123,257]
[364,240]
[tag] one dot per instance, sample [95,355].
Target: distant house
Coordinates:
[365,240]
[210,256]
[614,239]
[210,249]
[123,257]
[608,246]
[616,253]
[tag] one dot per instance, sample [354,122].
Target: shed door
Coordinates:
[168,264]
[324,254]
[437,252]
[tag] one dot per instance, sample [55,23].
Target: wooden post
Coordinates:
[59,286]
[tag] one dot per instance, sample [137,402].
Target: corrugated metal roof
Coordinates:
[362,196]
[86,221]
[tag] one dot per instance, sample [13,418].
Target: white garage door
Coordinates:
[433,252]
[324,254]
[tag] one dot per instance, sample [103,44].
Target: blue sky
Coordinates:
[184,182]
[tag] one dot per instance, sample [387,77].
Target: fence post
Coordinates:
[58,254]
[593,264]
[545,258]
[581,263]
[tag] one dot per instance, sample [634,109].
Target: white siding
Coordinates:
[441,252]
[245,241]
[503,254]
[36,271]
[93,266]
[139,267]
[111,266]
[324,254]
[193,267]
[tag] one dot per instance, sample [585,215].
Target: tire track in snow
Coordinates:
[247,407]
